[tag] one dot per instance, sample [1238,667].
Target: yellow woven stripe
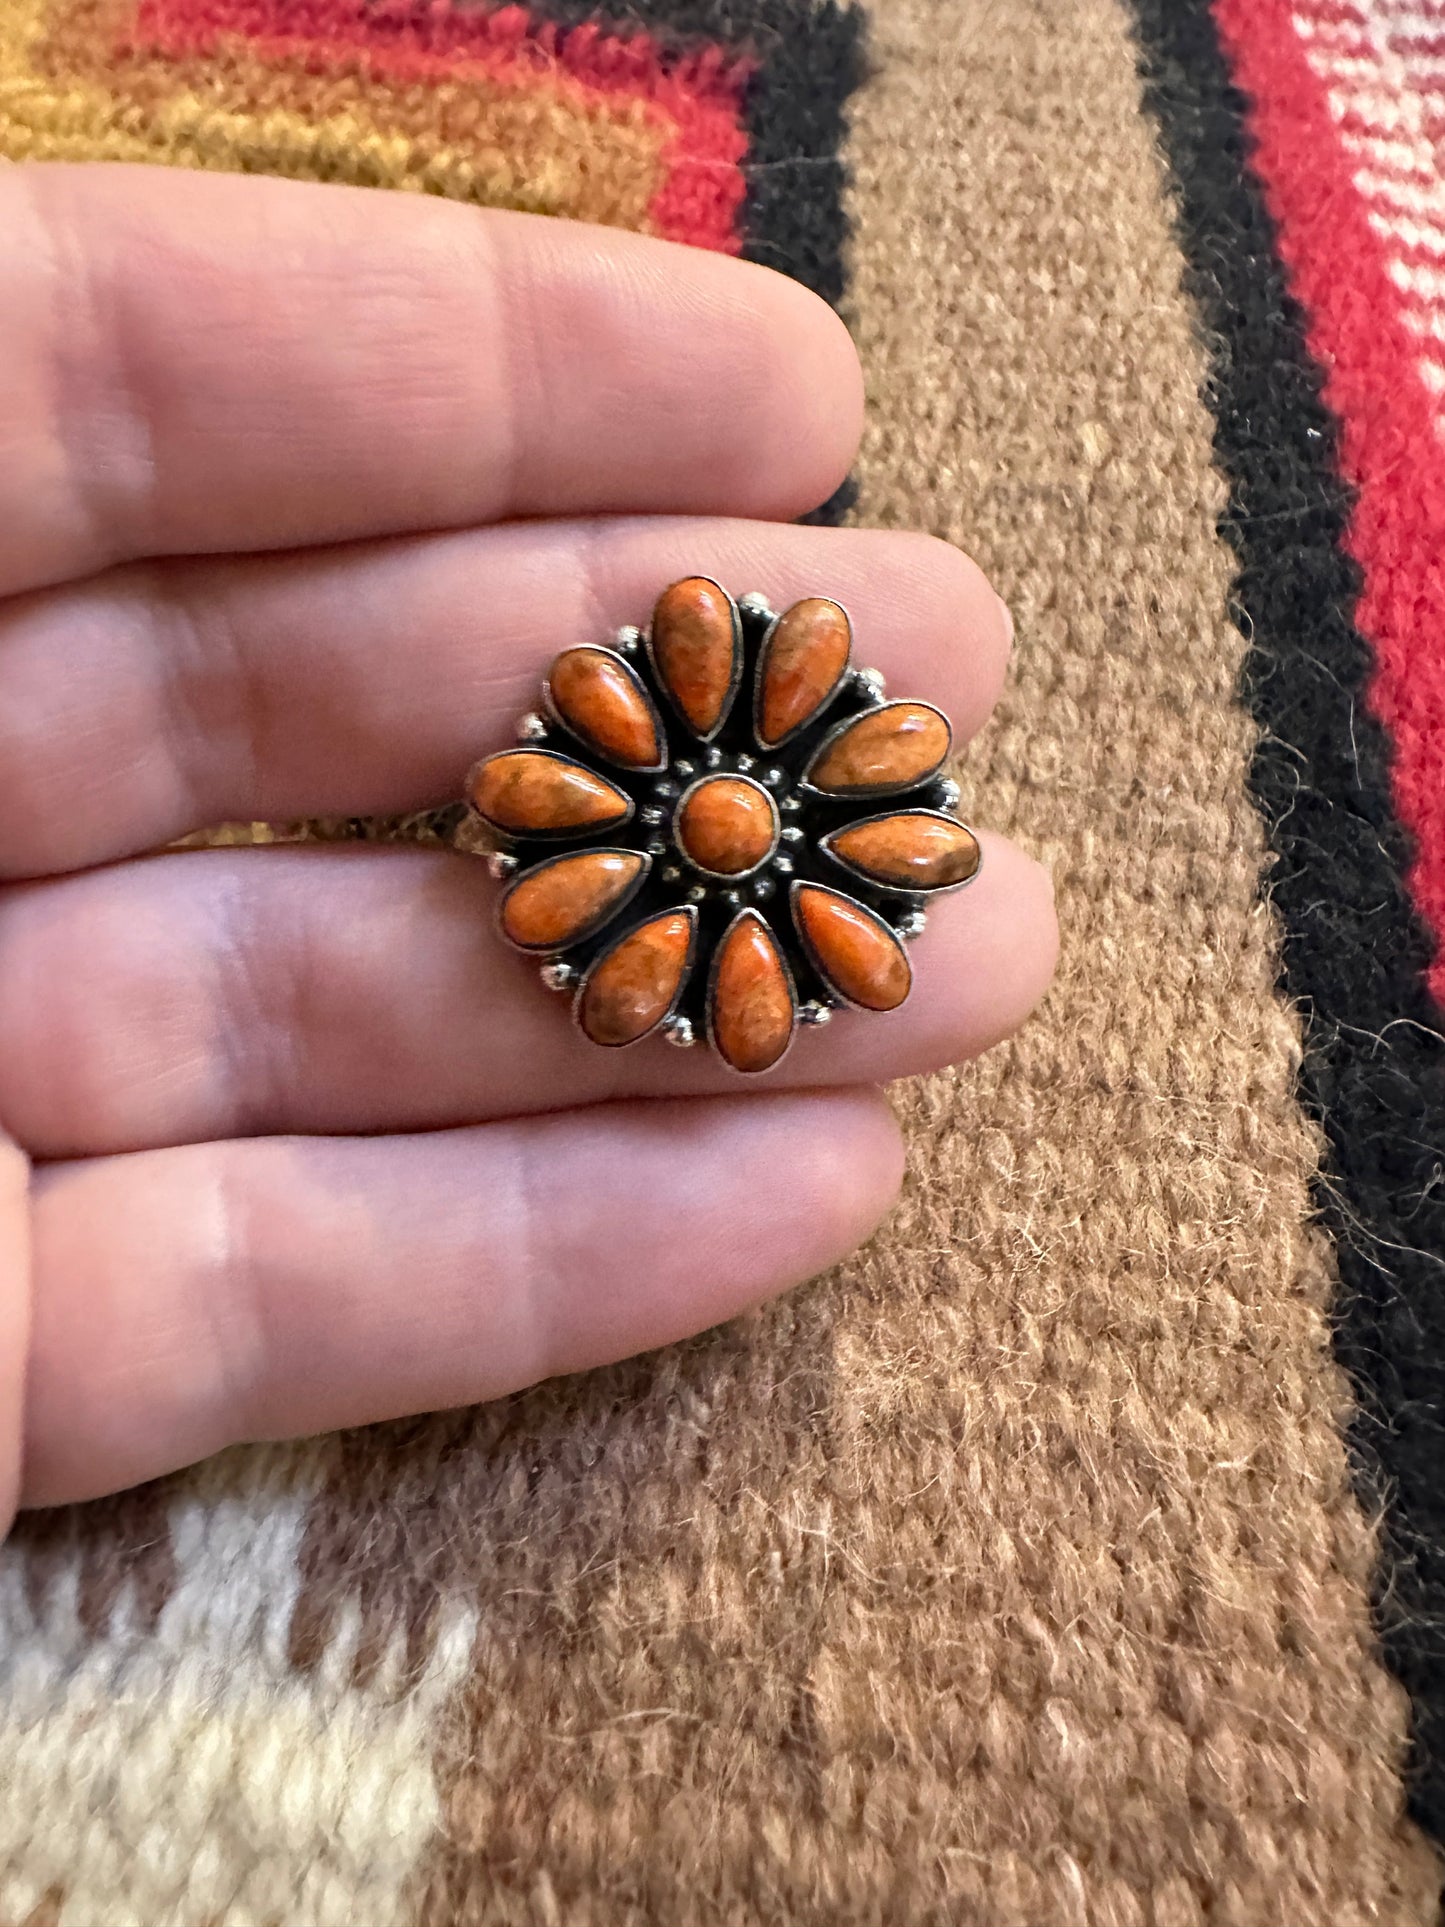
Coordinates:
[545,148]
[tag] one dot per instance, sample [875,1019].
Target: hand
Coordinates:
[301,488]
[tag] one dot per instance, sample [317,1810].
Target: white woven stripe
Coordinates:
[1426,237]
[161,1777]
[1414,22]
[1392,161]
[1427,322]
[1383,68]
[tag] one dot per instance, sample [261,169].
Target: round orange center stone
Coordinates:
[727,824]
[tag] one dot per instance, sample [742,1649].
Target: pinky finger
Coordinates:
[188,1299]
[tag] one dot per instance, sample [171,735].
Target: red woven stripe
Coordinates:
[698,97]
[1390,447]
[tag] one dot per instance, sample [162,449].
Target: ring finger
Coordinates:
[218,994]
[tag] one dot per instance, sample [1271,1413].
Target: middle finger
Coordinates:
[156,699]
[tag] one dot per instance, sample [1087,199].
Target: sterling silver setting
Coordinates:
[816,917]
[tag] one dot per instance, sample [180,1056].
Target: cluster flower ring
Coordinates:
[720,827]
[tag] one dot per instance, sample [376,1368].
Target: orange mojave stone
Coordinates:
[631,989]
[567,897]
[528,792]
[601,700]
[727,824]
[911,850]
[752,1000]
[856,952]
[890,748]
[696,649]
[803,659]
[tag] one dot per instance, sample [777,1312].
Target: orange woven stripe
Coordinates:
[483,107]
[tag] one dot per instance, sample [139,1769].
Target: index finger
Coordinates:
[193,363]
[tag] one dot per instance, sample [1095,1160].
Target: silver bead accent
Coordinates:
[664,791]
[763,888]
[656,845]
[678,1031]
[713,759]
[501,866]
[559,976]
[912,925]
[652,815]
[754,603]
[628,640]
[948,794]
[815,1014]
[870,684]
[671,874]
[746,762]
[792,834]
[789,804]
[783,865]
[775,778]
[733,899]
[531,728]
[684,769]
[697,894]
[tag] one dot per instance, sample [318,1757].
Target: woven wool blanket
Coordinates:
[1076,1553]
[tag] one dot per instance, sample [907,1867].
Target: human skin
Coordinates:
[301,488]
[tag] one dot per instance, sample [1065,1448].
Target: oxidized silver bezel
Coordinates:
[615,908]
[748,912]
[730,776]
[767,748]
[883,789]
[834,989]
[737,670]
[548,836]
[577,735]
[927,890]
[688,910]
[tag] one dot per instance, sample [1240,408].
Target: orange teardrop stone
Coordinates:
[912,852]
[806,653]
[859,956]
[752,1000]
[630,990]
[727,824]
[697,649]
[568,897]
[600,699]
[891,748]
[527,792]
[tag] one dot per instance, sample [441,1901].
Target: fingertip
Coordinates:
[957,626]
[985,961]
[14,1319]
[1019,947]
[850,1168]
[812,385]
[788,1184]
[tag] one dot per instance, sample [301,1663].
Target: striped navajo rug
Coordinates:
[1076,1553]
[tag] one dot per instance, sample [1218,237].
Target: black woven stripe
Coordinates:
[810,60]
[1354,950]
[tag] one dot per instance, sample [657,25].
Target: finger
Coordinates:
[14,1317]
[235,993]
[188,1299]
[151,701]
[200,362]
